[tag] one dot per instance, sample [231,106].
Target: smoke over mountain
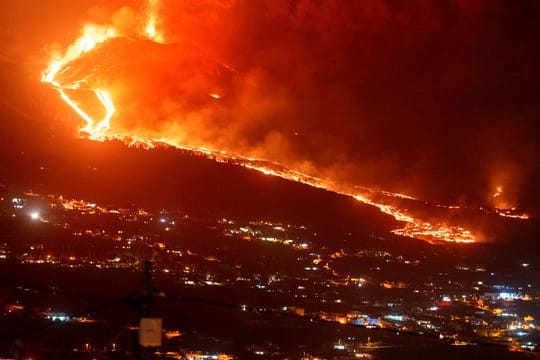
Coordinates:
[439,100]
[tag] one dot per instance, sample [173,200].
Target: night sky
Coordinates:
[437,99]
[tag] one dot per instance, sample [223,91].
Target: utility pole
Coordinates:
[147,289]
[17,349]
[145,303]
[141,304]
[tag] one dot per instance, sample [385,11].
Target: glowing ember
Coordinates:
[99,129]
[498,192]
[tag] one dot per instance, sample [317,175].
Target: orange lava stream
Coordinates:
[91,37]
[508,214]
[504,211]
[99,129]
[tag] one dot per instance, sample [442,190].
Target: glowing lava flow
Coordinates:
[92,36]
[503,210]
[150,29]
[91,128]
[98,129]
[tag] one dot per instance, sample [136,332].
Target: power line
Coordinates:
[313,319]
[137,301]
[91,310]
[52,290]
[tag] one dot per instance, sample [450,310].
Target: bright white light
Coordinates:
[395,317]
[34,215]
[58,317]
[17,203]
[510,296]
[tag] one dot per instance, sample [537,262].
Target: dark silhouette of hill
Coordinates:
[112,173]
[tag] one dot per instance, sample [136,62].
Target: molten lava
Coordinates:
[91,37]
[60,75]
[498,192]
[150,29]
[502,208]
